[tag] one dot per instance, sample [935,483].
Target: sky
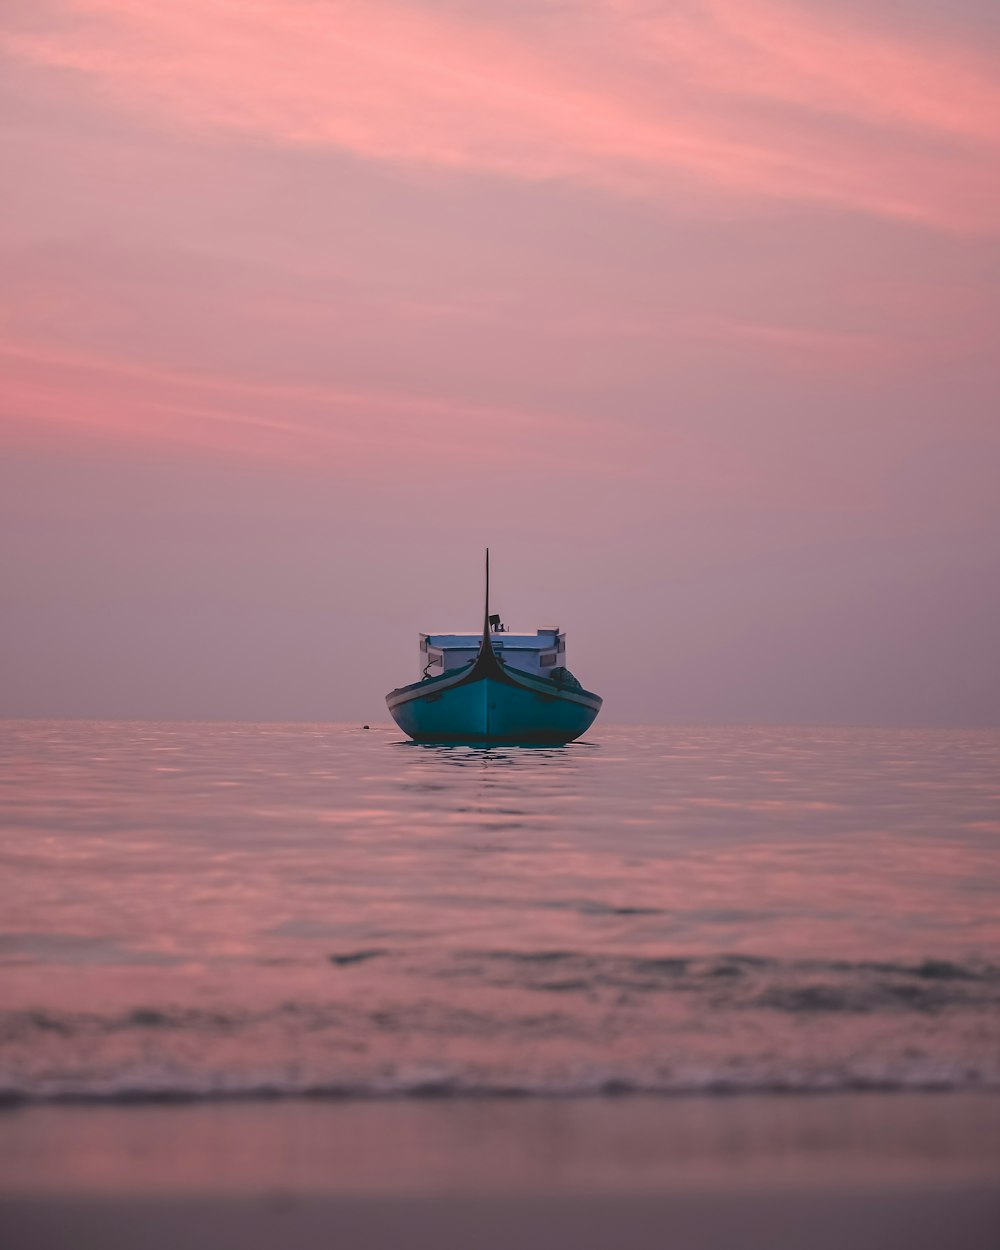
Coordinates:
[688,310]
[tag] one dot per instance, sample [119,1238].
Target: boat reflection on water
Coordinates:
[470,753]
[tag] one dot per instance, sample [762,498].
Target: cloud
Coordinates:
[355,430]
[739,98]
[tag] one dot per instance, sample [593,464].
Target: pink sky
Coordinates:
[690,310]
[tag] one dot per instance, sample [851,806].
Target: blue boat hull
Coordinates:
[493,703]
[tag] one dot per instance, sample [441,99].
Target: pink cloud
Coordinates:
[738,99]
[390,340]
[356,429]
[822,60]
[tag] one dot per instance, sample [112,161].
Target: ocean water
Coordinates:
[237,910]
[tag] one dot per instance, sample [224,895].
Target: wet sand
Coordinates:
[775,1172]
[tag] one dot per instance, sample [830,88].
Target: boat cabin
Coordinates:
[531,653]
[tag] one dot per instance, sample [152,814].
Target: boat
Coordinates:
[497,687]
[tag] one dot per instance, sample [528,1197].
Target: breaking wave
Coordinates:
[172,1087]
[531,1023]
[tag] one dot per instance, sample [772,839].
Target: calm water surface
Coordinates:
[210,909]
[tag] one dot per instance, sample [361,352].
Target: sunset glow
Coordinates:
[706,274]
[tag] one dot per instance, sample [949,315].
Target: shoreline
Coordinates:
[475,1145]
[795,1172]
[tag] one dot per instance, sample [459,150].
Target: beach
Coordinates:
[743,1171]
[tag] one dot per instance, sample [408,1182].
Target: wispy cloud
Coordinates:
[352,429]
[742,97]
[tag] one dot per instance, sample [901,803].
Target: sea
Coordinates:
[255,911]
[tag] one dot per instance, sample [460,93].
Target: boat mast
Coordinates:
[487,662]
[486,612]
